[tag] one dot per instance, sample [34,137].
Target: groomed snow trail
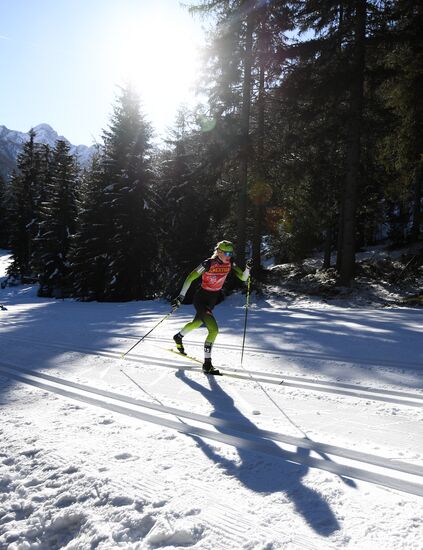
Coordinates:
[316,443]
[412,399]
[234,434]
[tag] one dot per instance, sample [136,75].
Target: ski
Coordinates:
[218,373]
[240,376]
[185,355]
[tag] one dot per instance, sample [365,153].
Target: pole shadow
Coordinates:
[272,474]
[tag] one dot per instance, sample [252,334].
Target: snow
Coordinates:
[146,452]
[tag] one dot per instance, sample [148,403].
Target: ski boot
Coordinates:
[179,345]
[209,369]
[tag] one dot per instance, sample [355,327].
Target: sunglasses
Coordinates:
[227,253]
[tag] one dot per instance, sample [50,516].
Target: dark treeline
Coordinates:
[312,138]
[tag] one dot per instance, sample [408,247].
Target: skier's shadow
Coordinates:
[263,476]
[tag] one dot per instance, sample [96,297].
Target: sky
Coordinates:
[61,62]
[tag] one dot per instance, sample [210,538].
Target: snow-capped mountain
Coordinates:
[12,141]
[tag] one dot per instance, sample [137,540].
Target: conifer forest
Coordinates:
[308,136]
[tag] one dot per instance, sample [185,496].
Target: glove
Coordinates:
[176,302]
[249,263]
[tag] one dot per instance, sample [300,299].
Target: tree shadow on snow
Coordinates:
[263,475]
[382,344]
[39,334]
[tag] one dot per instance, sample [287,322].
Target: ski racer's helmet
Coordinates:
[225,246]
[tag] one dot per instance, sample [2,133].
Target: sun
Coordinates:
[159,55]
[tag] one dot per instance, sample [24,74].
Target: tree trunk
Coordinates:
[327,247]
[245,137]
[347,263]
[417,209]
[340,234]
[260,172]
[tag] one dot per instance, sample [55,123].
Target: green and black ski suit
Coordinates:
[213,273]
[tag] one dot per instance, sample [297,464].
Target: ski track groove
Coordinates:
[308,384]
[225,424]
[277,352]
[236,439]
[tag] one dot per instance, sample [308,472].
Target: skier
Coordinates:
[213,271]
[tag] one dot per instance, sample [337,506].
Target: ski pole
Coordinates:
[149,332]
[246,315]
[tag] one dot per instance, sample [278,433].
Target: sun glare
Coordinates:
[160,58]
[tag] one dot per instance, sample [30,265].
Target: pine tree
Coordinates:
[41,195]
[401,150]
[229,84]
[24,191]
[4,229]
[273,21]
[185,197]
[114,248]
[57,225]
[350,196]
[241,65]
[127,202]
[89,245]
[347,30]
[305,144]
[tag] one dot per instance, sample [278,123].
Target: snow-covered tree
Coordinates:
[57,223]
[89,246]
[115,244]
[4,230]
[23,214]
[185,198]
